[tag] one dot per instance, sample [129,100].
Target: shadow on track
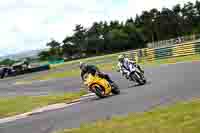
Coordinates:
[137,85]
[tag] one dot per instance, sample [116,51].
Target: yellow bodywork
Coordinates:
[91,81]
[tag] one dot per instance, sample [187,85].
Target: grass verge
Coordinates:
[91,60]
[111,66]
[21,104]
[179,118]
[71,73]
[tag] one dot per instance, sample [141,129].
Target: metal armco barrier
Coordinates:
[197,48]
[161,53]
[150,54]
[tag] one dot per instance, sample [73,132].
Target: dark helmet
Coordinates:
[82,65]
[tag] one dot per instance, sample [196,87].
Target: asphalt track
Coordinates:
[8,87]
[167,84]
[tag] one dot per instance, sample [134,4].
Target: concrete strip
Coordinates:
[51,108]
[60,105]
[88,95]
[14,118]
[47,108]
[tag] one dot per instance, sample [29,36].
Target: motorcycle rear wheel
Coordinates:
[115,89]
[138,78]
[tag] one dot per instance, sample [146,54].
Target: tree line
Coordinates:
[114,36]
[7,62]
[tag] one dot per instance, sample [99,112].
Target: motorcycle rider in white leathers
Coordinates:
[125,65]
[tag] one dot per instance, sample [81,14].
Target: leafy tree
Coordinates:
[7,62]
[79,37]
[152,25]
[69,49]
[44,55]
[55,48]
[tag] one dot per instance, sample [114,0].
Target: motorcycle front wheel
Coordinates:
[136,76]
[98,91]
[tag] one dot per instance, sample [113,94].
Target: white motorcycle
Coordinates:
[136,75]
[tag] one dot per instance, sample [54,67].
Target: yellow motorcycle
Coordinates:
[100,86]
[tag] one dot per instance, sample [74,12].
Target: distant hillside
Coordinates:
[21,55]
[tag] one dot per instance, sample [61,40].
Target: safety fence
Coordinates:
[151,54]
[174,41]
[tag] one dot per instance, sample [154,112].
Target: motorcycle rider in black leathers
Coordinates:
[92,69]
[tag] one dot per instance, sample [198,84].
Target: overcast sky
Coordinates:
[29,24]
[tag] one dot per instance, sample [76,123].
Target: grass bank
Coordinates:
[93,60]
[111,66]
[21,104]
[68,73]
[179,118]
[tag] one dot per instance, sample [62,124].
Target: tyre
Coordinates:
[138,78]
[115,89]
[143,79]
[99,92]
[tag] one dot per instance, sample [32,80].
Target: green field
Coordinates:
[96,59]
[72,73]
[111,66]
[21,104]
[179,118]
